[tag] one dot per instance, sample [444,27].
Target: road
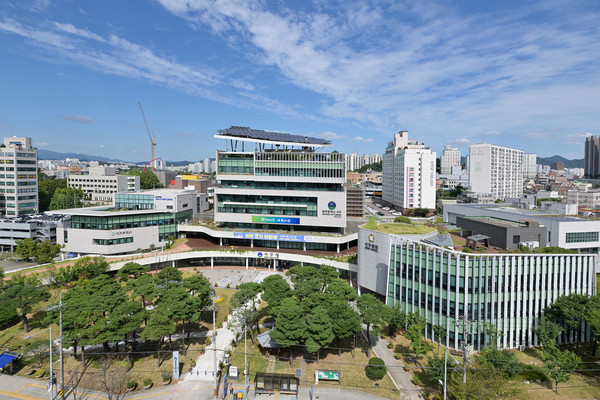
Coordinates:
[20,388]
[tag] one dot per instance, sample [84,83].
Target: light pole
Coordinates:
[446,369]
[245,350]
[215,301]
[60,349]
[51,371]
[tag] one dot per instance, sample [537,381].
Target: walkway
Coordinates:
[402,379]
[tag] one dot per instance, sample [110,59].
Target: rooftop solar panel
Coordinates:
[242,131]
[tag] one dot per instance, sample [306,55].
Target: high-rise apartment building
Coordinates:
[495,170]
[408,173]
[529,165]
[592,157]
[355,161]
[450,158]
[18,177]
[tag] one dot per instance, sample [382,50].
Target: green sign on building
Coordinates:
[328,375]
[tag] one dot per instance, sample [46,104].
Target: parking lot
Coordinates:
[375,206]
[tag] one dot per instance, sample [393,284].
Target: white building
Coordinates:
[283,183]
[585,199]
[18,177]
[529,165]
[102,183]
[136,221]
[450,158]
[496,170]
[408,173]
[355,161]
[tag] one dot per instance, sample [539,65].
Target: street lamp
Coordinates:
[51,372]
[215,301]
[446,369]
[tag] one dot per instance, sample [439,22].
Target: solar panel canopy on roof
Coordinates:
[245,132]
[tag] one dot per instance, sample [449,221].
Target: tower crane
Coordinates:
[152,138]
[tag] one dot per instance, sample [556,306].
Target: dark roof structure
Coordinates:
[266,342]
[245,133]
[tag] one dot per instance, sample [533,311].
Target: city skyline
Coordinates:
[512,74]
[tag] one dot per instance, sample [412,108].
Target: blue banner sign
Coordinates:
[272,236]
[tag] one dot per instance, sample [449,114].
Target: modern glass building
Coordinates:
[136,221]
[284,183]
[509,291]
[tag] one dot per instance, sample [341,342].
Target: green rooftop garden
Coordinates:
[398,228]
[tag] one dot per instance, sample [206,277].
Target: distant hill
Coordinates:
[568,163]
[53,155]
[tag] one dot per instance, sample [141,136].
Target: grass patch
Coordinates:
[398,228]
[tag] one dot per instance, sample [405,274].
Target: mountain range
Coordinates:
[578,163]
[54,155]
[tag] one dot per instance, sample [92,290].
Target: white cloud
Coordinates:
[78,118]
[362,139]
[491,133]
[461,141]
[331,136]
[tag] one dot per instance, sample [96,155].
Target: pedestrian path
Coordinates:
[401,378]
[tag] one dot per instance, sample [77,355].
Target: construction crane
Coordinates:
[152,139]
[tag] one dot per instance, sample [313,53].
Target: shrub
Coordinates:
[376,368]
[147,381]
[403,220]
[132,384]
[166,376]
[416,380]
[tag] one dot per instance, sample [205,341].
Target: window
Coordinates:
[578,237]
[516,239]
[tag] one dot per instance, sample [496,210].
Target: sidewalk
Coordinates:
[402,379]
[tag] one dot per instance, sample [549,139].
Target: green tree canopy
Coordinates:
[41,252]
[561,366]
[290,325]
[132,270]
[148,179]
[22,299]
[47,185]
[64,198]
[372,311]
[275,288]
[319,332]
[345,321]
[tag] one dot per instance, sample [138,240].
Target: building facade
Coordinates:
[446,287]
[136,221]
[409,178]
[355,201]
[18,177]
[591,159]
[529,165]
[495,170]
[101,183]
[450,158]
[283,184]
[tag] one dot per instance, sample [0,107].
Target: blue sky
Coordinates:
[521,74]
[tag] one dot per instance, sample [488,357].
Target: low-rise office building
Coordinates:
[447,286]
[571,233]
[507,235]
[101,183]
[136,221]
[38,227]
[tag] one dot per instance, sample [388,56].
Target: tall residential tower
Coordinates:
[408,173]
[496,171]
[18,177]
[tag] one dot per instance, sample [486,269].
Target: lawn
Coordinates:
[350,363]
[398,228]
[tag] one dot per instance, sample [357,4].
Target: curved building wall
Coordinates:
[507,290]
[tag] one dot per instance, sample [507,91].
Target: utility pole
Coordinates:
[467,326]
[60,348]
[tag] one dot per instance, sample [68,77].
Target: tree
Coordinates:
[46,251]
[504,360]
[481,385]
[169,277]
[435,370]
[592,318]
[414,333]
[148,179]
[22,298]
[571,311]
[90,267]
[290,325]
[159,325]
[247,292]
[41,252]
[372,311]
[47,185]
[198,286]
[318,330]
[132,270]
[439,333]
[275,289]
[124,319]
[345,321]
[64,198]
[376,369]
[561,366]
[547,331]
[397,320]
